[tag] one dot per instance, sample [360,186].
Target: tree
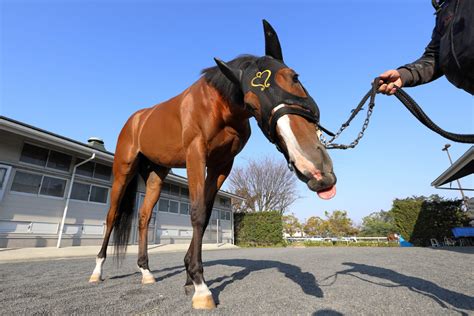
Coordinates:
[339,224]
[405,213]
[378,224]
[291,225]
[419,218]
[266,185]
[315,226]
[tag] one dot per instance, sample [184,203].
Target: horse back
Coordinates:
[165,131]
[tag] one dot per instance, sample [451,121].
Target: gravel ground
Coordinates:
[284,281]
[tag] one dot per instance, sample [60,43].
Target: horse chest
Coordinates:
[227,144]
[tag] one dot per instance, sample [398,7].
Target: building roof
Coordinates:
[34,132]
[462,167]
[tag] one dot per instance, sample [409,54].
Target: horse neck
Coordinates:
[231,112]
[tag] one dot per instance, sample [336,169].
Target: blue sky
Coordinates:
[81,68]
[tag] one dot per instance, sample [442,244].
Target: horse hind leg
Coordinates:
[154,182]
[123,176]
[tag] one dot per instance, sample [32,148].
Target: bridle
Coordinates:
[276,102]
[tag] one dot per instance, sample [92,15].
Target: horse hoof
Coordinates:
[95,278]
[189,289]
[203,302]
[148,279]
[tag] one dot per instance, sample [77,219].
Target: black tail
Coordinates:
[123,221]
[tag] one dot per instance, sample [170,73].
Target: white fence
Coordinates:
[331,239]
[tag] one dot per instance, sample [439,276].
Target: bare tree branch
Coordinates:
[266,185]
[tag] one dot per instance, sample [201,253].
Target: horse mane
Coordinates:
[227,88]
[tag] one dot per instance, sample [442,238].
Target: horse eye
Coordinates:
[295,78]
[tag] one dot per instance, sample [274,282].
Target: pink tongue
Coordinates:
[328,193]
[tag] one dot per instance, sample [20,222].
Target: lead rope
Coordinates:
[408,102]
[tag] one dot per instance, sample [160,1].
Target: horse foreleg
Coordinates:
[154,183]
[202,200]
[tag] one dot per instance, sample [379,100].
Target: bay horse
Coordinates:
[203,129]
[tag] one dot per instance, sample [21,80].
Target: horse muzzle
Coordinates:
[323,183]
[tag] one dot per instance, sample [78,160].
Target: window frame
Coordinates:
[38,194]
[93,177]
[189,208]
[89,194]
[53,196]
[167,208]
[45,167]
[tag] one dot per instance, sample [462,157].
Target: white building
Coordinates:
[36,168]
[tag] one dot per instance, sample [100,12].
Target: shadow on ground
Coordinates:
[305,280]
[429,289]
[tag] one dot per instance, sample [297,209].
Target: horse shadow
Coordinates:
[174,271]
[429,289]
[305,280]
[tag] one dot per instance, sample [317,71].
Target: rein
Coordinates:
[408,102]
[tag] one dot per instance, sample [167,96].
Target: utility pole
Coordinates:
[445,148]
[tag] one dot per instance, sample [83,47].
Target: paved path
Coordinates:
[41,253]
[312,281]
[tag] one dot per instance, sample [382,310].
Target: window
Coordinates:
[88,192]
[102,172]
[59,161]
[174,190]
[215,214]
[222,215]
[228,216]
[26,182]
[185,192]
[53,186]
[94,170]
[3,175]
[165,188]
[34,155]
[184,208]
[80,191]
[45,158]
[163,205]
[224,202]
[38,184]
[99,194]
[86,169]
[174,207]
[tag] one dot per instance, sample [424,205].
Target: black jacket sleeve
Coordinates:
[426,68]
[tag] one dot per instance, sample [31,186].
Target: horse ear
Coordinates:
[272,44]
[234,75]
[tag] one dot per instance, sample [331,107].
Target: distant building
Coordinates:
[461,168]
[36,168]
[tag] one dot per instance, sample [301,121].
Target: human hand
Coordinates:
[389,81]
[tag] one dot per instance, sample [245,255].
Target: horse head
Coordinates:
[286,113]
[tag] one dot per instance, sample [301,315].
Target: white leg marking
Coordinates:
[146,273]
[147,277]
[97,273]
[201,290]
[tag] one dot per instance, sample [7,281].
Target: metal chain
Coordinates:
[329,143]
[408,102]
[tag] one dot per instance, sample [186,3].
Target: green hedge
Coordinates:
[419,218]
[258,229]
